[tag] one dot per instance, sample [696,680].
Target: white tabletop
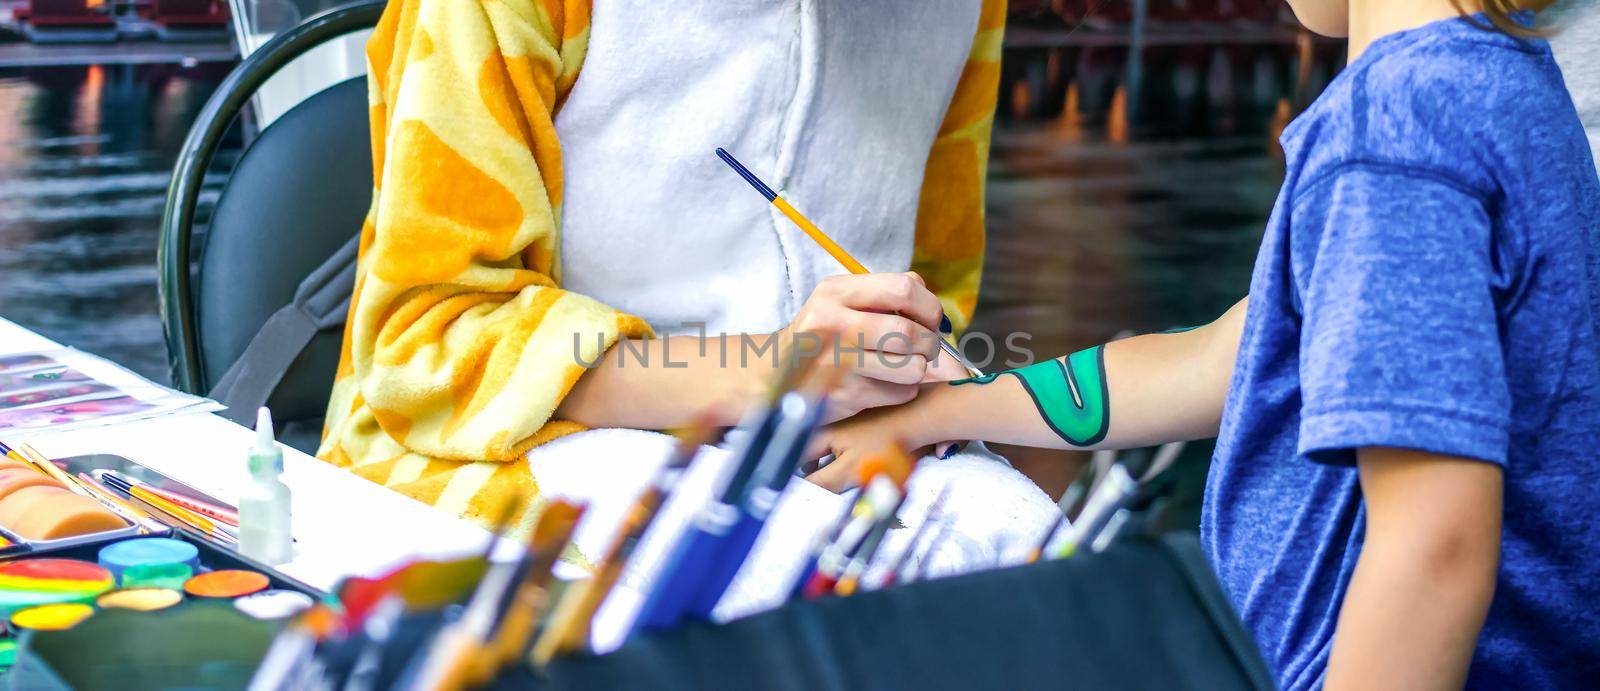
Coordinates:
[343,525]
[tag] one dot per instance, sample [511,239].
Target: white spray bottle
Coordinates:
[264,504]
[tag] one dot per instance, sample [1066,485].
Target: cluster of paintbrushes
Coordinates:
[496,613]
[214,522]
[848,560]
[153,509]
[1099,505]
[428,624]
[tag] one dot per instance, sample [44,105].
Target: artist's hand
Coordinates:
[849,441]
[888,330]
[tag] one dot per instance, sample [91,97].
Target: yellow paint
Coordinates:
[51,617]
[140,599]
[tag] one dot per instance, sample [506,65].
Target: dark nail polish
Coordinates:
[944,325]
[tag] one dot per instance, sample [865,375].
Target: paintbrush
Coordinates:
[934,514]
[525,606]
[462,654]
[916,571]
[695,549]
[146,522]
[136,491]
[30,455]
[191,517]
[428,585]
[881,492]
[850,576]
[1108,497]
[215,512]
[164,511]
[572,620]
[1049,535]
[802,412]
[828,245]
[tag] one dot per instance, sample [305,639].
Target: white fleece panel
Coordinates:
[835,103]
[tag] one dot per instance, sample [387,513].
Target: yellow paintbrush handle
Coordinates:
[828,245]
[146,522]
[191,517]
[44,465]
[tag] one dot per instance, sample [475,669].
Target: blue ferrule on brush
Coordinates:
[677,583]
[746,174]
[720,572]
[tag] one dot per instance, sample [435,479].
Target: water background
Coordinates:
[1106,212]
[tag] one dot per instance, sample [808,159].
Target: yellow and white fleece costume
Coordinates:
[519,203]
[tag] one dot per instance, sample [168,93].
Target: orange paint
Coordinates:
[226,583]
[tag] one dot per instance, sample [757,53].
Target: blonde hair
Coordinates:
[1499,13]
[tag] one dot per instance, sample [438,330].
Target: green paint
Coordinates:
[1070,394]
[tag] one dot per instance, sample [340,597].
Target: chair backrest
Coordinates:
[298,193]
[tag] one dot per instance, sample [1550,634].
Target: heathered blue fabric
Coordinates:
[1428,280]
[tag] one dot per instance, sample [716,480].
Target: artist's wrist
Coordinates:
[733,390]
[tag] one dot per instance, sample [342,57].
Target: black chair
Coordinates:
[297,196]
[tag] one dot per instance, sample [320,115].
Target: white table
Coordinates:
[343,525]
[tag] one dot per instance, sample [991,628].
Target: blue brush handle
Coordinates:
[720,572]
[682,574]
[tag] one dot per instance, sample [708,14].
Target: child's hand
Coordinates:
[867,433]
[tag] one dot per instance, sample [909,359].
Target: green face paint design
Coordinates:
[1070,395]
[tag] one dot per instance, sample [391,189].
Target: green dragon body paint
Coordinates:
[1070,394]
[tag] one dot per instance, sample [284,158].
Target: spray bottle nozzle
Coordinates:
[264,441]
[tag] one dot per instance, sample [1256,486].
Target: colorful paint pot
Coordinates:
[274,604]
[8,653]
[29,582]
[168,576]
[55,617]
[140,599]
[226,583]
[148,551]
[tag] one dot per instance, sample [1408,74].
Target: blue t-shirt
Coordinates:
[1429,279]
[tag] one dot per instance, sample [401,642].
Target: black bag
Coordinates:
[1145,614]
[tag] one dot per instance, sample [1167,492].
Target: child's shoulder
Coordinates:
[1448,98]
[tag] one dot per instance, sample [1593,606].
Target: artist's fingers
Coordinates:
[890,293]
[839,475]
[944,368]
[821,444]
[888,367]
[888,333]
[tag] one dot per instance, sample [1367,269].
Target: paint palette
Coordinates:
[175,571]
[13,545]
[142,574]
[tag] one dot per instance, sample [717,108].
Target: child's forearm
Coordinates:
[1138,391]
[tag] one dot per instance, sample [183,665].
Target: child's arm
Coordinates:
[1426,574]
[1138,391]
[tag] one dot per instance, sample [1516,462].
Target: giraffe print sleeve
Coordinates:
[460,342]
[950,231]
